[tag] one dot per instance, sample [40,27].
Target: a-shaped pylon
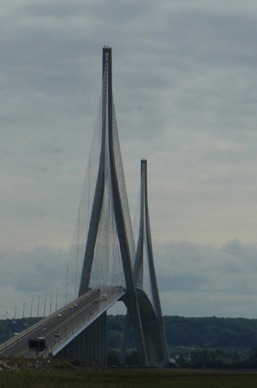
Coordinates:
[108,156]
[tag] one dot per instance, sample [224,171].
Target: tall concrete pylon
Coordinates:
[108,158]
[150,310]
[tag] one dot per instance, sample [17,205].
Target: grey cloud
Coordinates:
[55,9]
[228,268]
[205,280]
[34,271]
[185,282]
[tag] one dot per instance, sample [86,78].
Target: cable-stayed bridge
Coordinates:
[112,268]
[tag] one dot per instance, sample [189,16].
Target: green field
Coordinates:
[127,378]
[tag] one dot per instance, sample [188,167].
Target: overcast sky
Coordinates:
[184,80]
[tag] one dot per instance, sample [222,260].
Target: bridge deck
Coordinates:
[57,330]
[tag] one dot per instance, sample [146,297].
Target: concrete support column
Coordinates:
[88,346]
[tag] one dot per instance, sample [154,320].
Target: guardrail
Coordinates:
[107,296]
[43,322]
[77,326]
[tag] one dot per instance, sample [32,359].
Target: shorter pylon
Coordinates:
[149,305]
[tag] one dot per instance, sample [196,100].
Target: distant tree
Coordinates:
[208,358]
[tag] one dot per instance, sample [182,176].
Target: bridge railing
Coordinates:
[77,323]
[42,323]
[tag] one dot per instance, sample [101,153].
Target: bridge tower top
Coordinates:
[107,57]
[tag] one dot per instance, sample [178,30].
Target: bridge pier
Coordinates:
[90,345]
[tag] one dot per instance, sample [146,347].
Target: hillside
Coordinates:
[210,332]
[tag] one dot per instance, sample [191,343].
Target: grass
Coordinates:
[126,378]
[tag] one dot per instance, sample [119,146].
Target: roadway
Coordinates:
[57,330]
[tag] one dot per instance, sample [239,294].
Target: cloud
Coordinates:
[209,280]
[28,277]
[35,270]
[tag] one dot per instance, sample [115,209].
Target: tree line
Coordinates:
[209,342]
[209,332]
[192,342]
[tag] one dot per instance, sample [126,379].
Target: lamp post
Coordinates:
[38,305]
[23,310]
